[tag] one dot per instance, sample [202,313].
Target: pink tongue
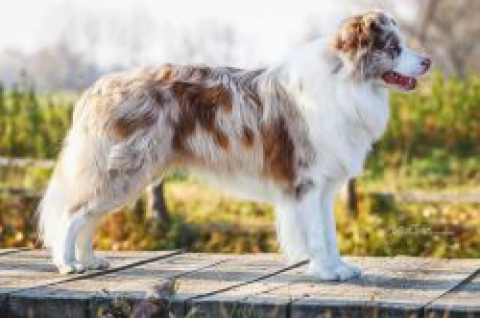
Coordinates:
[396,79]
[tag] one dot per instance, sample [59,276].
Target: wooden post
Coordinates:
[156,207]
[352,197]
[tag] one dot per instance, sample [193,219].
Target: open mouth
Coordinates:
[404,82]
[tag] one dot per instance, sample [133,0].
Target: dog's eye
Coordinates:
[394,49]
[393,46]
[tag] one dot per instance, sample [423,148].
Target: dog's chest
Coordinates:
[343,131]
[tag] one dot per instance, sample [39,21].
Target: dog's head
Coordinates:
[371,48]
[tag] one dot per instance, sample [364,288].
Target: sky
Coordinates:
[267,28]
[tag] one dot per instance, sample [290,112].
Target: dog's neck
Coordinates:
[314,76]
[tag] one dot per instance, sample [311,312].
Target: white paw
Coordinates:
[71,268]
[338,271]
[96,263]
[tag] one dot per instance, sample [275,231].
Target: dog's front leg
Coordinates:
[325,261]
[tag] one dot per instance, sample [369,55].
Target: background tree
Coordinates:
[449,31]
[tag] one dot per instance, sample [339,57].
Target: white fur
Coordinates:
[410,63]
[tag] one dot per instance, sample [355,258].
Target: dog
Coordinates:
[290,134]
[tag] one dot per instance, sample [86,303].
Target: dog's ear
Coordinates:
[352,36]
[375,21]
[357,33]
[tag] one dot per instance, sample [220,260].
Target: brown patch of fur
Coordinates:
[221,139]
[198,72]
[166,74]
[199,105]
[278,151]
[191,100]
[353,36]
[157,96]
[360,32]
[247,137]
[123,127]
[169,73]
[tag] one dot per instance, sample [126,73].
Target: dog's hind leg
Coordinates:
[116,192]
[90,180]
[63,249]
[73,205]
[84,245]
[73,251]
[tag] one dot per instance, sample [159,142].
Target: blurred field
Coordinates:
[432,145]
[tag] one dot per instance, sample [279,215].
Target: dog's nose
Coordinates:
[426,63]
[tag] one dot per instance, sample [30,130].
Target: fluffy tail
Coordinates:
[52,210]
[63,191]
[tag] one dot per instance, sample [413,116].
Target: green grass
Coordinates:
[204,220]
[432,145]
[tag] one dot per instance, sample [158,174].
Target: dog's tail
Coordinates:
[51,210]
[63,191]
